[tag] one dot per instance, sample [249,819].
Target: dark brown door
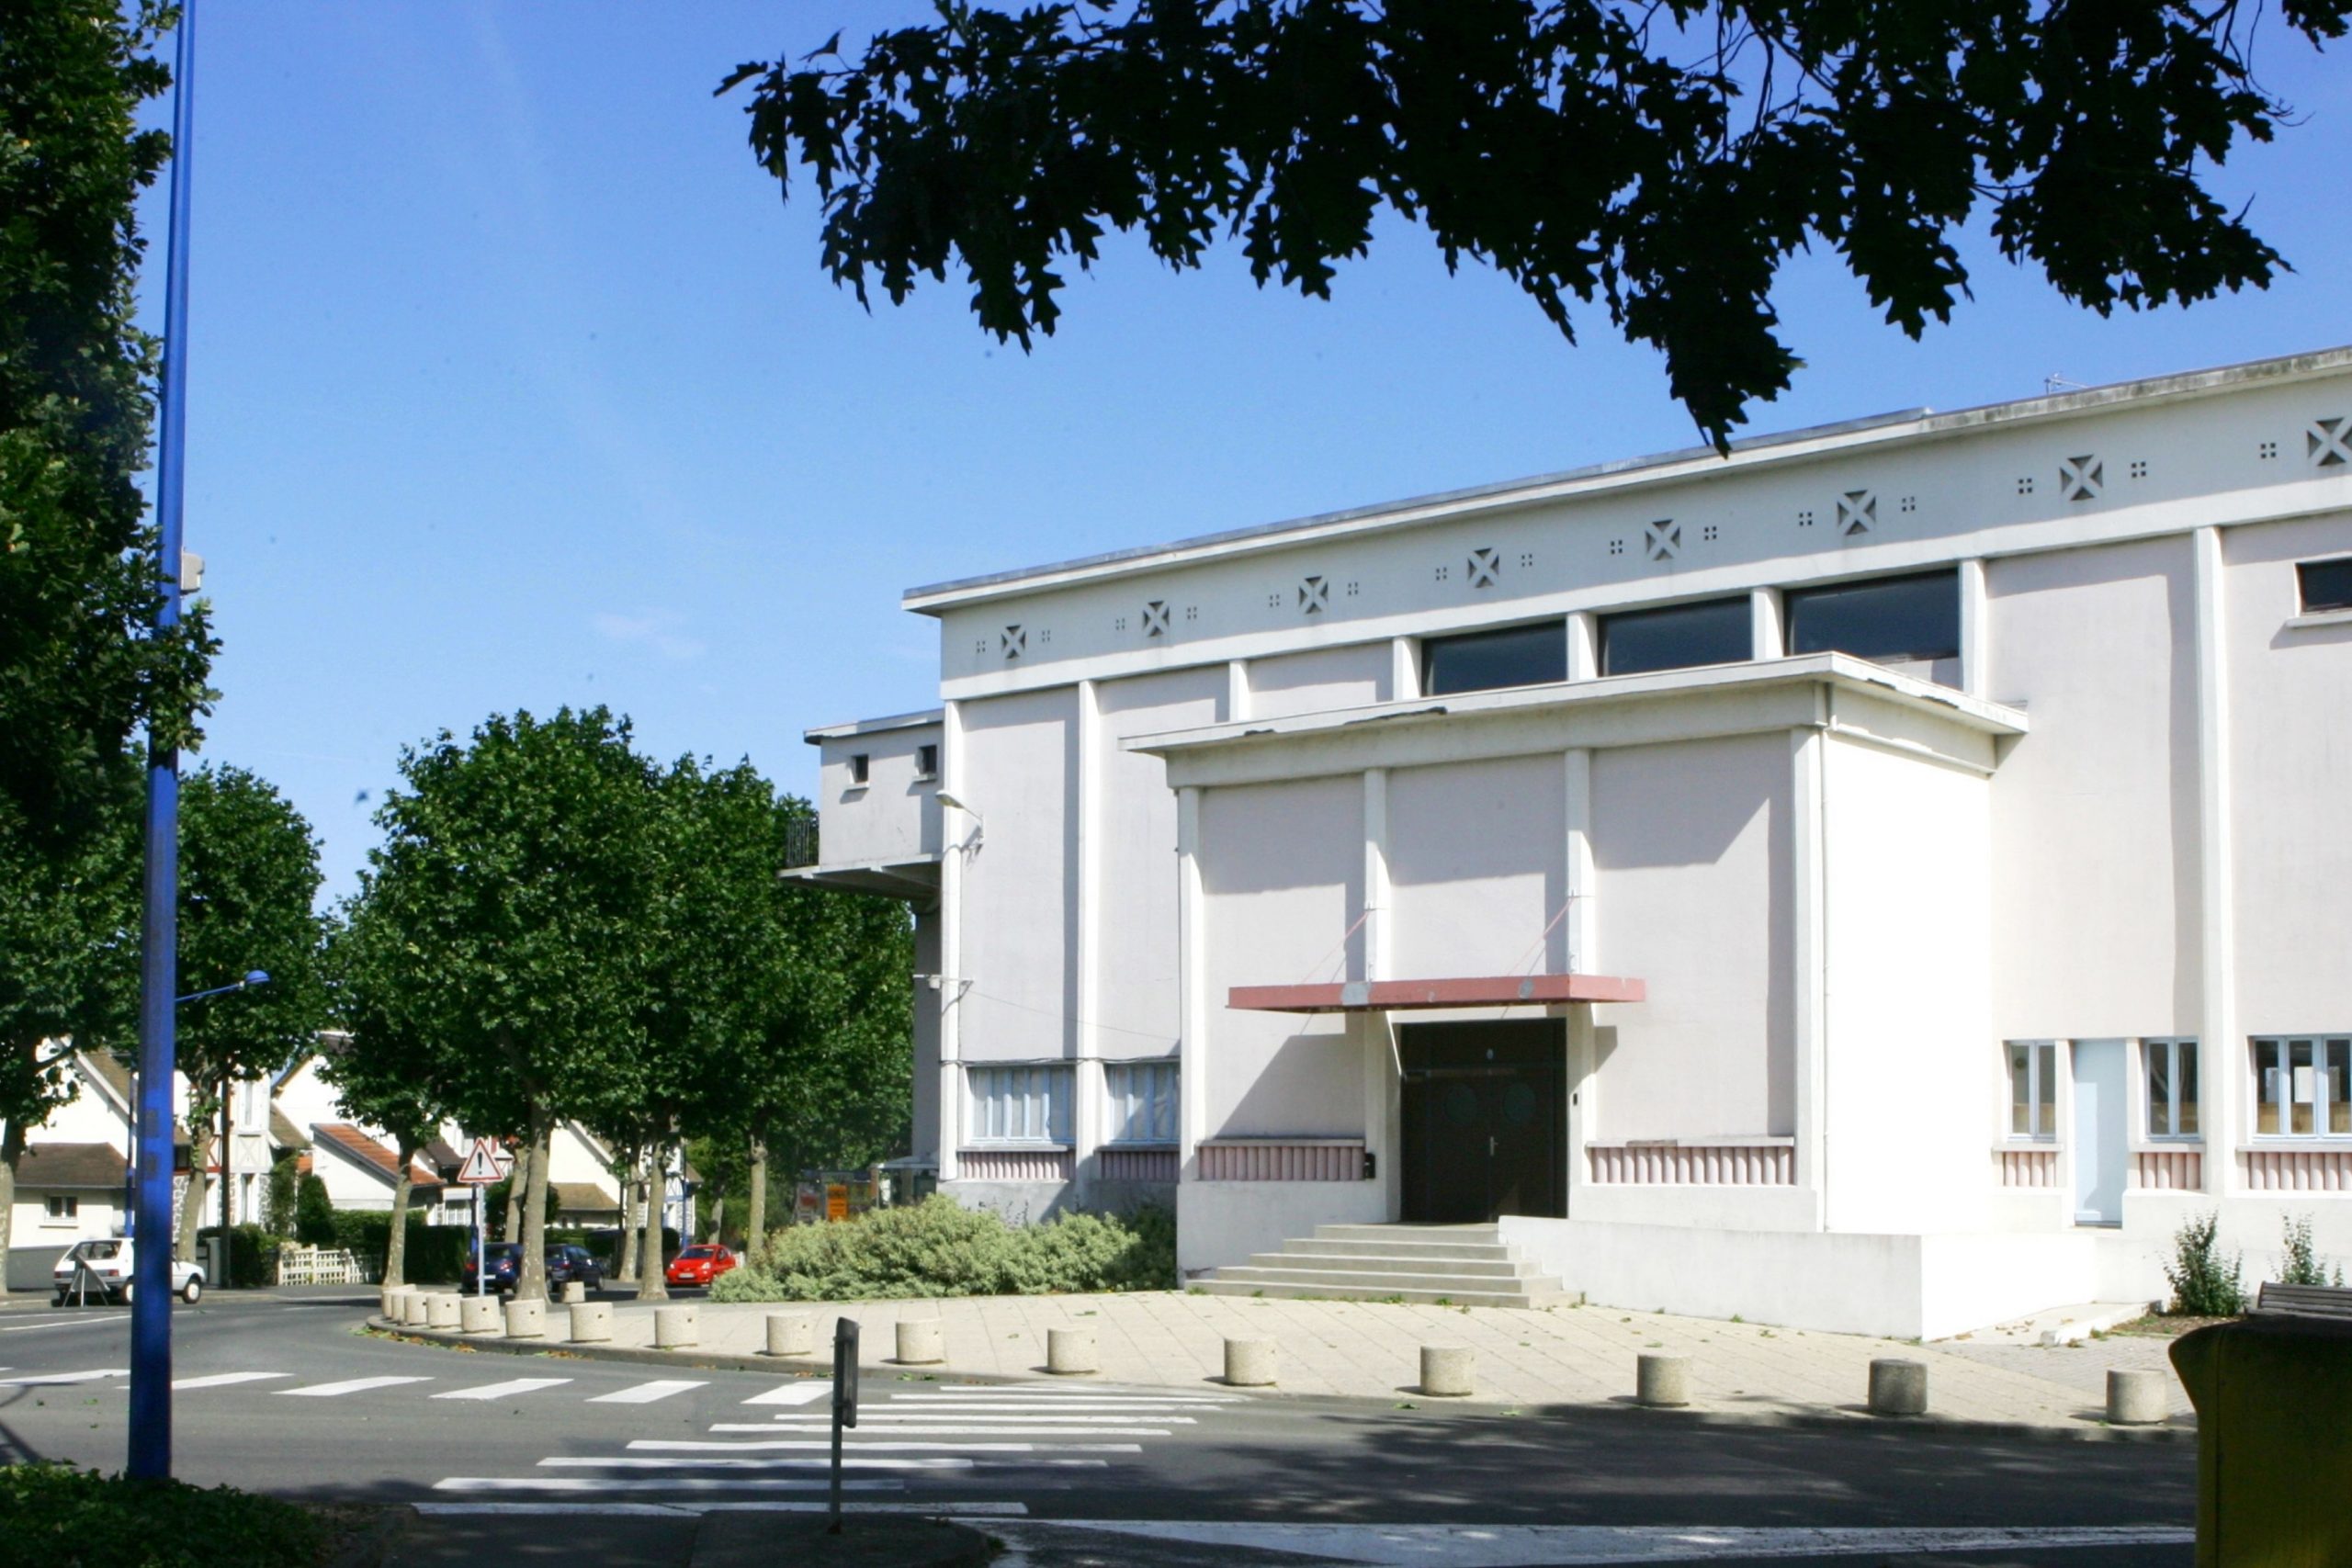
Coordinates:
[1483,1128]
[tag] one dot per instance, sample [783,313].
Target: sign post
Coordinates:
[479,1170]
[844,1403]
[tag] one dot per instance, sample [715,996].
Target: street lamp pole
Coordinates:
[151,1302]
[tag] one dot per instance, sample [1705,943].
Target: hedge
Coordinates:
[58,1516]
[939,1248]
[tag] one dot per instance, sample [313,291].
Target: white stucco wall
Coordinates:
[1018,912]
[2095,922]
[1911,1069]
[1282,868]
[1693,896]
[1316,682]
[893,816]
[1477,868]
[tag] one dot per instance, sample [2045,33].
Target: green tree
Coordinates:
[80,668]
[385,1070]
[249,875]
[1664,160]
[314,1213]
[69,944]
[515,889]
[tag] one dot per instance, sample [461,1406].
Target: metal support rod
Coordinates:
[150,1455]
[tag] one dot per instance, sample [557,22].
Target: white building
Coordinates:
[1887,878]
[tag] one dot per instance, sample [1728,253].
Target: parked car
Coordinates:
[502,1263]
[699,1264]
[568,1263]
[105,1265]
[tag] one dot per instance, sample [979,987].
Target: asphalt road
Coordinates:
[283,1395]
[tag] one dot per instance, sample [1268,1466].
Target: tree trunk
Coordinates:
[519,1177]
[396,1245]
[651,1285]
[755,1233]
[12,1149]
[632,1211]
[200,1155]
[531,1280]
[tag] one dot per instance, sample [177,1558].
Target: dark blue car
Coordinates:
[502,1262]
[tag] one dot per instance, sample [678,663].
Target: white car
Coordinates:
[104,1265]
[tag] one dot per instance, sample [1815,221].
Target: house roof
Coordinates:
[441,1155]
[105,1067]
[72,1168]
[368,1154]
[283,1132]
[583,1198]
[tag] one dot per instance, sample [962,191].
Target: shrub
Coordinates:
[253,1256]
[2301,1265]
[436,1254]
[314,1214]
[277,1197]
[57,1514]
[2201,1285]
[939,1248]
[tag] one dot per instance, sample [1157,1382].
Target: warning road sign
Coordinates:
[480,1169]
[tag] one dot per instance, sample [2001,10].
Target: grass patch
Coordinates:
[58,1516]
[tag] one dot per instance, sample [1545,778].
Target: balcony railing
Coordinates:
[800,845]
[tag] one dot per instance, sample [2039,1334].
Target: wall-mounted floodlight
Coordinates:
[971,844]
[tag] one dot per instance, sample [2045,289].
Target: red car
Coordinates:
[699,1264]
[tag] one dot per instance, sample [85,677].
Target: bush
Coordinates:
[277,1197]
[2301,1265]
[58,1516]
[435,1255]
[939,1248]
[253,1256]
[2201,1285]
[315,1214]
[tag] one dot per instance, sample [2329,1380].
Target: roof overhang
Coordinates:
[915,879]
[928,718]
[1412,996]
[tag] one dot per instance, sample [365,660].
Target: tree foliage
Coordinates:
[79,667]
[1664,159]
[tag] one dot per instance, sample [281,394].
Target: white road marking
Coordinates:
[647,1392]
[691,1510]
[355,1385]
[794,1393]
[504,1390]
[986,1429]
[1006,1418]
[848,1462]
[67,1322]
[688,1445]
[222,1380]
[1598,1546]
[51,1380]
[667,1483]
[966,1407]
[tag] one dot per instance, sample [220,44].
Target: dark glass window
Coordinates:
[2326,584]
[1886,617]
[926,761]
[858,764]
[1716,632]
[1484,661]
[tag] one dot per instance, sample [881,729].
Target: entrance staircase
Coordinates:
[1449,1265]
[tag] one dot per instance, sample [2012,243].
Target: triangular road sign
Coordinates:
[480,1169]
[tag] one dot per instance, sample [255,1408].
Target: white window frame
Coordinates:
[63,1208]
[1156,1105]
[2262,1051]
[989,1122]
[2163,1123]
[2041,1091]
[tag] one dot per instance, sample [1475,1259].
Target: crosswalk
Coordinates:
[952,1443]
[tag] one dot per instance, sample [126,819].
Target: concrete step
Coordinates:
[1424,1294]
[1382,1282]
[1343,1247]
[1432,1235]
[1351,1263]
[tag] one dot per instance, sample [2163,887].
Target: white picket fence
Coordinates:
[322,1266]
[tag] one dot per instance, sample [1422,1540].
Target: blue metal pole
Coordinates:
[151,1305]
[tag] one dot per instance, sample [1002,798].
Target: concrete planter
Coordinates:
[1069,1351]
[922,1342]
[592,1322]
[1448,1371]
[1662,1382]
[527,1320]
[477,1315]
[1249,1363]
[441,1310]
[1898,1387]
[791,1334]
[2138,1399]
[674,1328]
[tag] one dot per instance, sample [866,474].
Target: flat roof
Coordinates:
[1910,423]
[871,726]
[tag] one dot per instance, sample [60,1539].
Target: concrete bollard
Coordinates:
[922,1342]
[674,1328]
[1898,1387]
[441,1310]
[1662,1381]
[1249,1363]
[1448,1371]
[391,1297]
[412,1310]
[574,1293]
[527,1320]
[592,1322]
[477,1315]
[2138,1399]
[1071,1350]
[791,1334]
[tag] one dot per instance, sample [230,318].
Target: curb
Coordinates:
[1931,1425]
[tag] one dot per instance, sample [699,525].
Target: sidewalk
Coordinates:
[1547,1356]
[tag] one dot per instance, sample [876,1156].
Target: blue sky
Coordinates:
[512,384]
